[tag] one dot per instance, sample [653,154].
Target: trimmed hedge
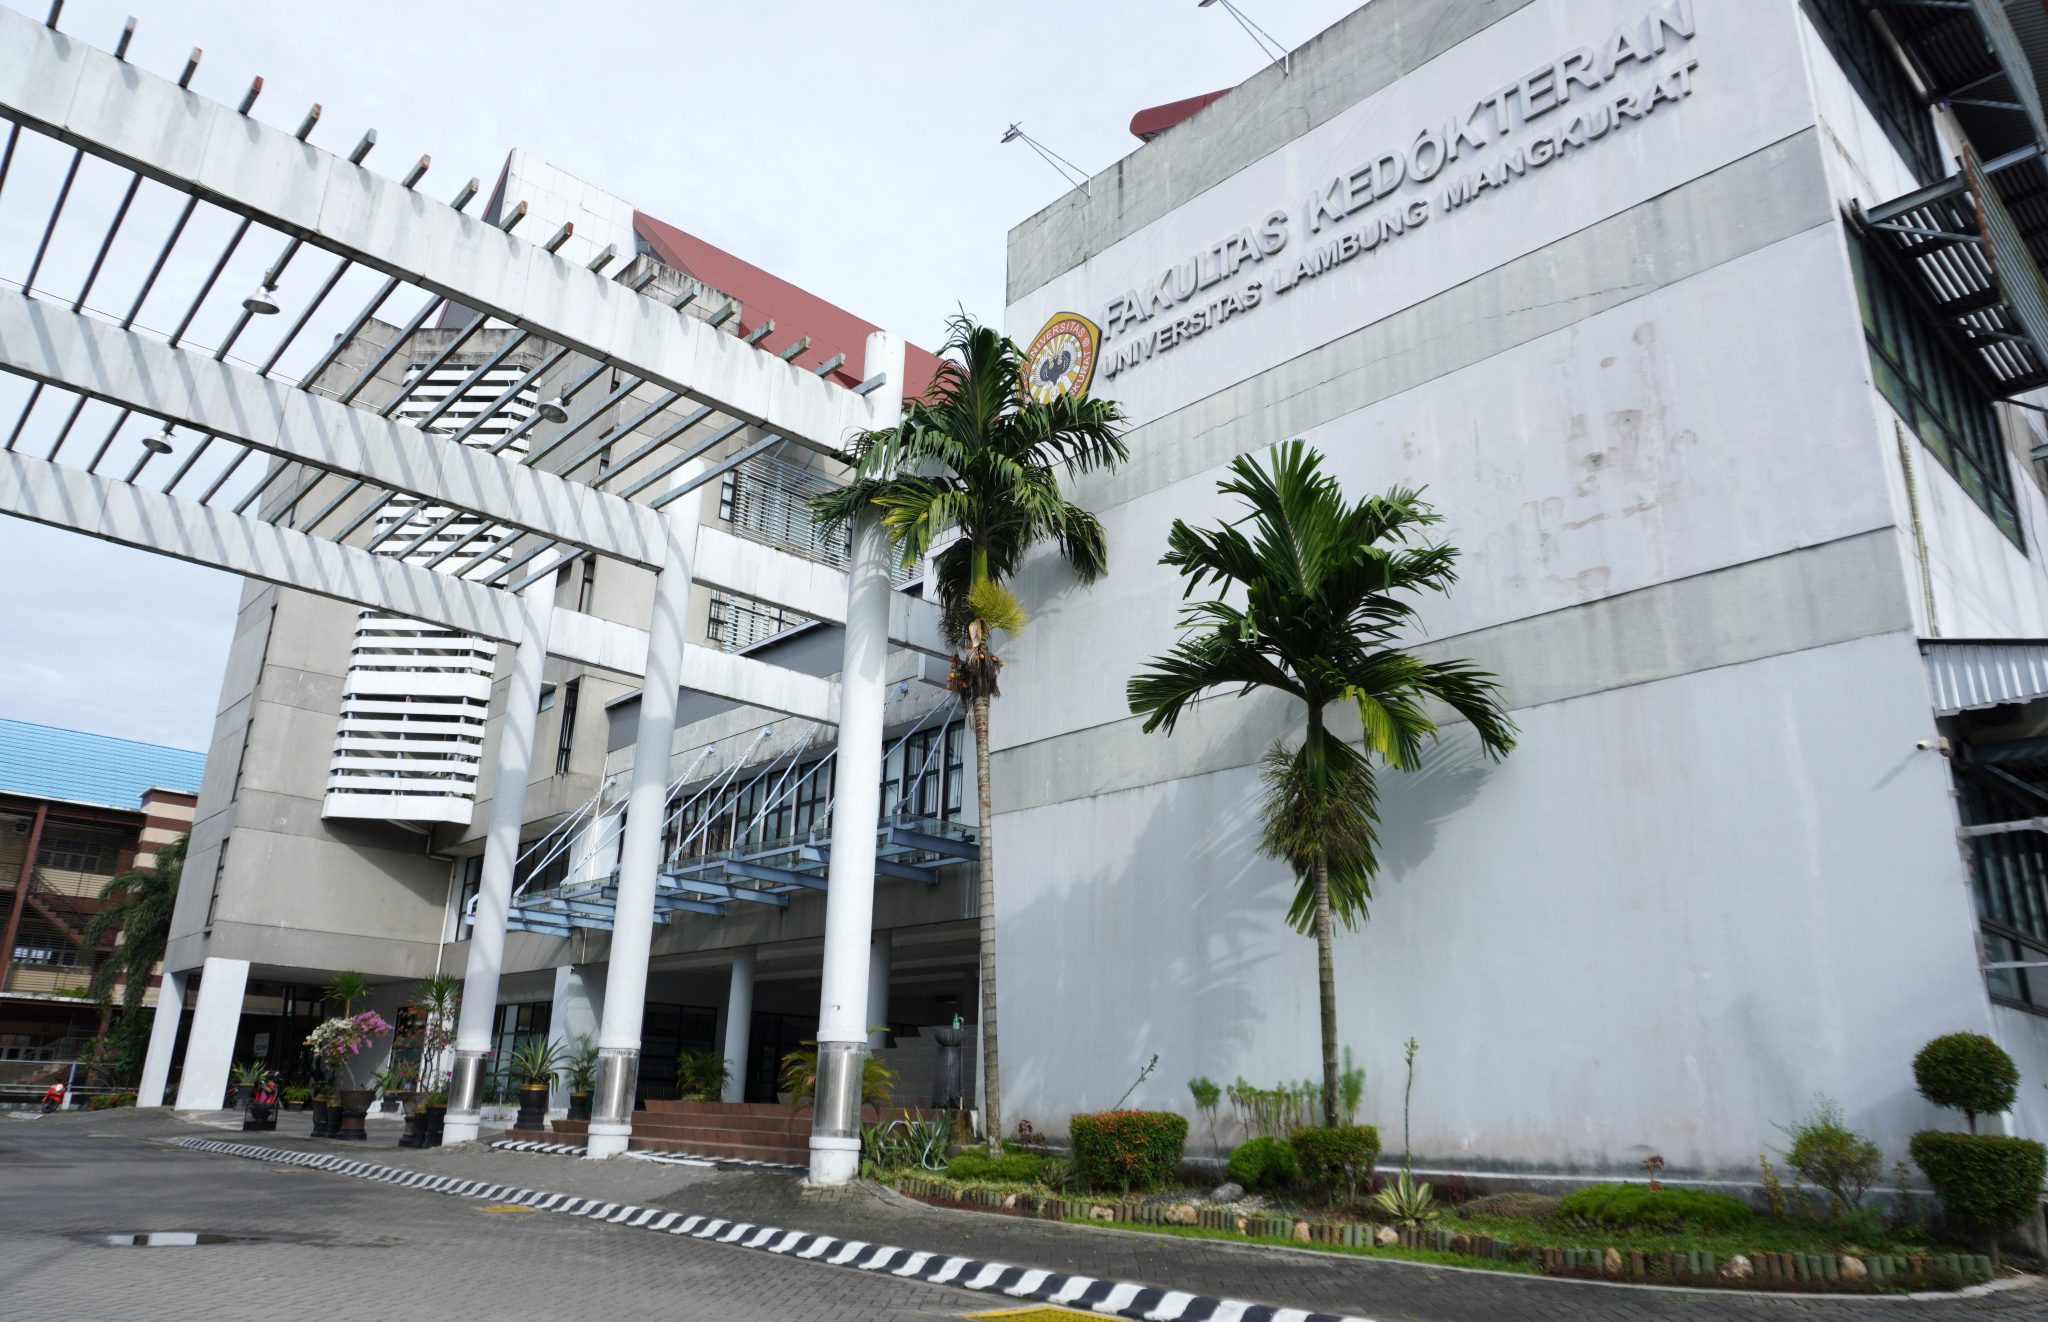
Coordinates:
[1967,1072]
[1986,1182]
[1127,1149]
[1010,1168]
[1264,1163]
[1340,1157]
[1639,1207]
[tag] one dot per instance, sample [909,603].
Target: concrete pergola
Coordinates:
[312,202]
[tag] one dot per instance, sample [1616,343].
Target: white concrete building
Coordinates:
[1731,463]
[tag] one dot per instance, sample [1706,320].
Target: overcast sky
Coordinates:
[850,149]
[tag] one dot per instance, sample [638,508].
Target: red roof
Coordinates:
[1149,124]
[795,312]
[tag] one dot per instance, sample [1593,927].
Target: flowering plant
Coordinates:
[337,1042]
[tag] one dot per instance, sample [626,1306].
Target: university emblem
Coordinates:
[1061,359]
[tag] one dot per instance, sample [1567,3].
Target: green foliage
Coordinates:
[1127,1149]
[1206,1093]
[1339,1159]
[297,1094]
[1637,1206]
[348,987]
[1058,1174]
[111,1101]
[903,1144]
[534,1063]
[136,906]
[249,1074]
[800,1077]
[1010,1168]
[701,1076]
[1826,1152]
[1405,1202]
[581,1065]
[1774,1188]
[1967,1072]
[1517,1203]
[1986,1182]
[1351,1088]
[1264,1163]
[1272,1112]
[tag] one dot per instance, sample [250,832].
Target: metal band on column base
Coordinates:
[611,1107]
[465,1098]
[835,1112]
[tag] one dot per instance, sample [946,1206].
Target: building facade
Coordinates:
[1680,312]
[76,811]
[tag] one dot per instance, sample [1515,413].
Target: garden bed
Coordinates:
[1773,1256]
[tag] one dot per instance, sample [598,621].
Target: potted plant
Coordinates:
[437,1111]
[338,1044]
[258,1088]
[296,1097]
[533,1065]
[800,1078]
[701,1076]
[391,1083]
[582,1072]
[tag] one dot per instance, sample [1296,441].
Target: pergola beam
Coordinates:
[54,346]
[87,99]
[752,569]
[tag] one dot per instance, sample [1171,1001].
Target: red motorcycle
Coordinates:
[53,1098]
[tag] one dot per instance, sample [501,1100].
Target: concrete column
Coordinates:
[878,988]
[850,876]
[578,1006]
[210,1049]
[501,852]
[163,1039]
[625,988]
[739,1023]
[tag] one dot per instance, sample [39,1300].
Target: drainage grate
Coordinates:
[169,1239]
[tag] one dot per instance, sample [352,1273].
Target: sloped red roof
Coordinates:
[1149,124]
[795,312]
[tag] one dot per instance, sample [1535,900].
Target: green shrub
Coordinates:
[1826,1152]
[702,1075]
[1264,1163]
[1127,1149]
[1639,1207]
[1986,1182]
[1010,1168]
[1338,1159]
[1967,1072]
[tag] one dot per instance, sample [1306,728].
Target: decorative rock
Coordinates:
[1181,1214]
[1852,1269]
[1226,1193]
[1461,1243]
[1737,1268]
[1386,1235]
[1301,1232]
[1010,1201]
[1610,1262]
[1100,1213]
[1244,1225]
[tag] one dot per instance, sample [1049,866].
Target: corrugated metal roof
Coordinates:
[1968,675]
[43,762]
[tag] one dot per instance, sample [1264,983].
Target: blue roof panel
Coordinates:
[43,762]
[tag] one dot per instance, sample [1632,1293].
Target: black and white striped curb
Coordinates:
[665,1158]
[1142,1303]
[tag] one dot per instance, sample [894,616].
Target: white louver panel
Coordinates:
[416,698]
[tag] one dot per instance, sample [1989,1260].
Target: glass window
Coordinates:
[1933,387]
[568,730]
[71,856]
[933,783]
[1873,67]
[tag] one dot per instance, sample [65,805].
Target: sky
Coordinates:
[851,149]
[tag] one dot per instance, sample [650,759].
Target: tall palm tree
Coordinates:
[976,465]
[1323,585]
[137,905]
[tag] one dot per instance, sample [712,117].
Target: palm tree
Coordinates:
[1322,584]
[976,464]
[137,905]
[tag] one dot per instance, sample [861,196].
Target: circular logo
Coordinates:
[1061,359]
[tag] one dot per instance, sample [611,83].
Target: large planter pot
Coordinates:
[355,1105]
[437,1112]
[533,1107]
[261,1115]
[234,1098]
[579,1106]
[323,1117]
[415,1135]
[396,1103]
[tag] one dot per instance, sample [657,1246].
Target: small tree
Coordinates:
[1967,1072]
[1986,1182]
[1827,1153]
[1315,590]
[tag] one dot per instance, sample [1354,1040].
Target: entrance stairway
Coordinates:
[731,1131]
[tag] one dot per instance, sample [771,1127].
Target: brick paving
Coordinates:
[1381,1290]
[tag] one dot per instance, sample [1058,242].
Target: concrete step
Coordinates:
[795,1140]
[784,1123]
[729,1151]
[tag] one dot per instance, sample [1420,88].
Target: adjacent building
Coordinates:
[76,811]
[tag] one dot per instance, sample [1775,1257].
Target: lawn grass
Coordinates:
[1762,1234]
